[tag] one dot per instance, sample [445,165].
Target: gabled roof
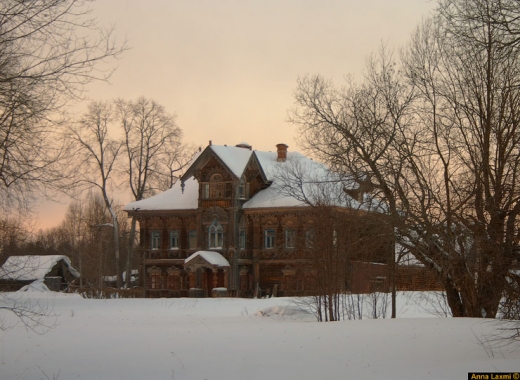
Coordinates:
[235,159]
[30,268]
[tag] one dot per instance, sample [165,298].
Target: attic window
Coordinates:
[216,186]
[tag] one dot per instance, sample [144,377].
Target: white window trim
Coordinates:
[172,248]
[215,236]
[287,231]
[242,243]
[155,237]
[190,233]
[269,238]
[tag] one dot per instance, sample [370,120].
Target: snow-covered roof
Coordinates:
[319,182]
[29,268]
[233,157]
[212,257]
[404,257]
[172,199]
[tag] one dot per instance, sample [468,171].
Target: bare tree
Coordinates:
[154,151]
[470,100]
[438,138]
[96,161]
[13,235]
[347,226]
[49,50]
[361,131]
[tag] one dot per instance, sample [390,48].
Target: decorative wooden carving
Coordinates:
[190,222]
[290,220]
[289,271]
[214,213]
[208,172]
[306,220]
[256,220]
[174,271]
[154,222]
[269,220]
[174,222]
[243,222]
[154,270]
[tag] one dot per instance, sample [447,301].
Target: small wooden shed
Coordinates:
[55,271]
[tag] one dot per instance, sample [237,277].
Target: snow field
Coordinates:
[229,338]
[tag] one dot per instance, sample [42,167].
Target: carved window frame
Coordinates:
[215,236]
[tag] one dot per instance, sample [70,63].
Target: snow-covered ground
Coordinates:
[242,339]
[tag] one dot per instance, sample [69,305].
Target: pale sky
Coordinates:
[228,69]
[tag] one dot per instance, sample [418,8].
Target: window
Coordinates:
[155,277]
[155,240]
[174,239]
[217,186]
[269,239]
[192,239]
[229,189]
[216,235]
[156,281]
[335,239]
[290,238]
[205,191]
[242,239]
[242,188]
[309,239]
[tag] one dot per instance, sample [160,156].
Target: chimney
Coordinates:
[282,152]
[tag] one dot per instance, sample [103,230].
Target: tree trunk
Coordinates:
[130,252]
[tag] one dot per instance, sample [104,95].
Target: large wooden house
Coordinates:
[228,228]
